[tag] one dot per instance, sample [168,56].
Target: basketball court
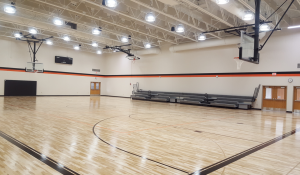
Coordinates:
[206,87]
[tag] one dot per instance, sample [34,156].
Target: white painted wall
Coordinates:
[15,54]
[281,53]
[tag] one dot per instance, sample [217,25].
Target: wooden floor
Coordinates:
[109,136]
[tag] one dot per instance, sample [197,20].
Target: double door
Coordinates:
[95,88]
[274,97]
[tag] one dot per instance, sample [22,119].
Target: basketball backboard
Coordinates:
[34,67]
[246,50]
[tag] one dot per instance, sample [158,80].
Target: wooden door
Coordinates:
[274,97]
[95,88]
[296,100]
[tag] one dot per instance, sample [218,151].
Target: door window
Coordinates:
[268,93]
[97,86]
[280,94]
[298,94]
[92,86]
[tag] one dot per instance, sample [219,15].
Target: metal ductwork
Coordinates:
[206,44]
[209,43]
[153,51]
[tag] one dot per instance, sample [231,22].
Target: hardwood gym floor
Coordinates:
[107,135]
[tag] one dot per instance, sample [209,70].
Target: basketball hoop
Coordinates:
[238,63]
[35,71]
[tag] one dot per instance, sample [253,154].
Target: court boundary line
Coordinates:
[229,160]
[41,157]
[218,165]
[131,152]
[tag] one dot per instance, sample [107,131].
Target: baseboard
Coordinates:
[114,96]
[256,109]
[60,95]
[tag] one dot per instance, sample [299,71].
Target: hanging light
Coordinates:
[202,37]
[18,35]
[264,27]
[58,22]
[94,44]
[96,31]
[76,47]
[147,45]
[248,16]
[124,39]
[33,31]
[110,3]
[150,17]
[222,1]
[49,42]
[99,52]
[10,9]
[66,38]
[179,28]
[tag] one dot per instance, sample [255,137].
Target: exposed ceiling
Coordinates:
[128,18]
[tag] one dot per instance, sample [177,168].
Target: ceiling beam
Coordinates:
[111,23]
[173,17]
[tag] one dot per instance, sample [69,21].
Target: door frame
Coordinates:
[262,94]
[99,88]
[293,98]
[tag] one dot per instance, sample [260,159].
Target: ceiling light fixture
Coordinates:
[264,27]
[58,22]
[248,16]
[33,31]
[10,8]
[96,31]
[292,27]
[124,39]
[222,1]
[66,38]
[179,28]
[202,37]
[49,42]
[150,17]
[94,44]
[76,47]
[147,45]
[99,52]
[18,35]
[110,3]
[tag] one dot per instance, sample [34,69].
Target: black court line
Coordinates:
[134,153]
[46,160]
[245,153]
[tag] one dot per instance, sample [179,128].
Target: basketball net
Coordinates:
[35,71]
[238,63]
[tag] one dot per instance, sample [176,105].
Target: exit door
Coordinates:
[296,100]
[274,98]
[95,88]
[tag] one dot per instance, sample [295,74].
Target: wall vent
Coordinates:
[96,70]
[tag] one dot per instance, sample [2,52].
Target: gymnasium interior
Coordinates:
[154,87]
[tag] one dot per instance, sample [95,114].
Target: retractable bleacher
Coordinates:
[234,101]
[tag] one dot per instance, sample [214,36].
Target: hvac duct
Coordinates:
[205,44]
[209,43]
[154,51]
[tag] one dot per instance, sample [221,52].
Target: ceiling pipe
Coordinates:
[153,51]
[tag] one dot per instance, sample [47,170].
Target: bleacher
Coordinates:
[234,101]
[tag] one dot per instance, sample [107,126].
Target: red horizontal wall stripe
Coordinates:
[158,76]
